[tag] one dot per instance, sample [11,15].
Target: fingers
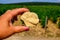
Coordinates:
[11,13]
[20,28]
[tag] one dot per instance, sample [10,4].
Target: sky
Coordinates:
[18,1]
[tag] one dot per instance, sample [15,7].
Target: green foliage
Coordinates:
[52,12]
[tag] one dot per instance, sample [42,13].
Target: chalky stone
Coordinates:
[30,18]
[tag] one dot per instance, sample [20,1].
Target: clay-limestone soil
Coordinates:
[36,32]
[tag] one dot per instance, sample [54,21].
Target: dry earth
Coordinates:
[31,35]
[37,32]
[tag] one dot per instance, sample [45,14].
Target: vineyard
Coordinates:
[49,23]
[51,11]
[49,19]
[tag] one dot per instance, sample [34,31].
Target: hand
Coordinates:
[6,27]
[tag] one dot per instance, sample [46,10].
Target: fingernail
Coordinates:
[26,29]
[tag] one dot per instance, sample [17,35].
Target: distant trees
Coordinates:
[37,3]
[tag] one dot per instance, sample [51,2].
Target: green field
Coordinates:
[51,11]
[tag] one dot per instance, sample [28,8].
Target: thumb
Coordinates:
[20,28]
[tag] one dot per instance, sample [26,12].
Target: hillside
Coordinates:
[36,3]
[49,20]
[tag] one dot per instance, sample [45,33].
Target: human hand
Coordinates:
[6,27]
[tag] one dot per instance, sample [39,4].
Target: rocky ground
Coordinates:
[31,38]
[36,32]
